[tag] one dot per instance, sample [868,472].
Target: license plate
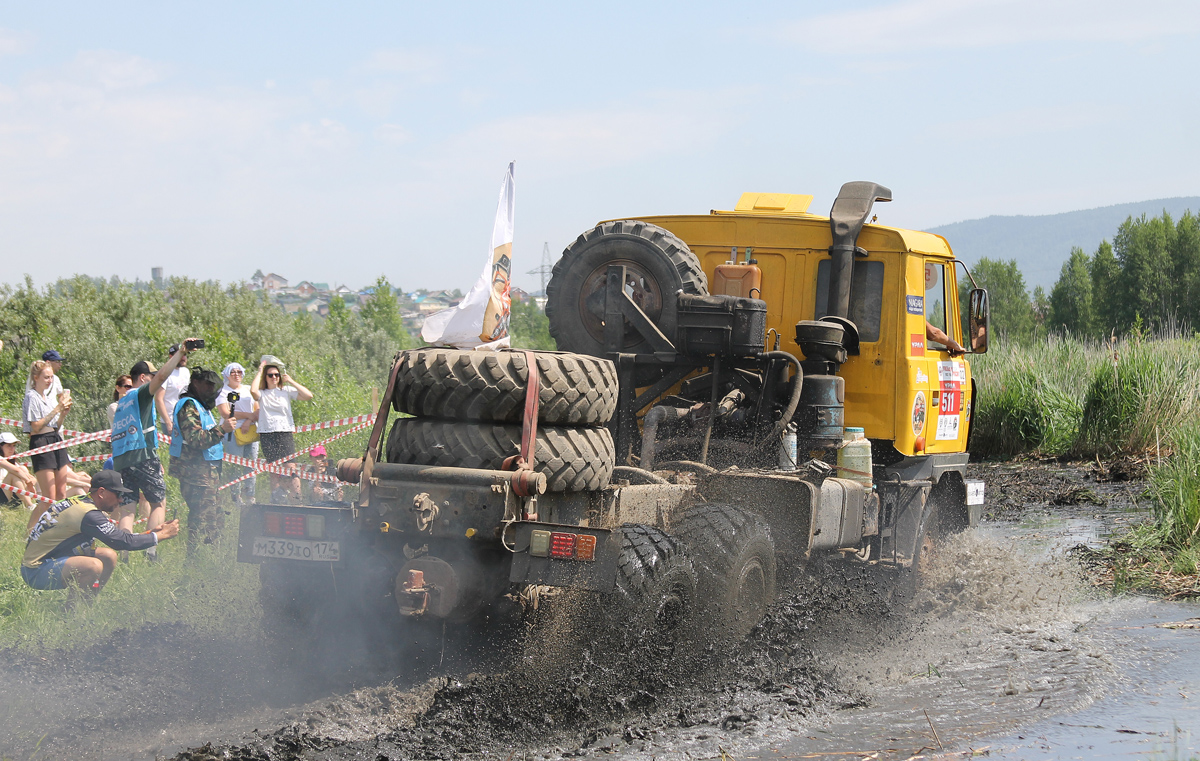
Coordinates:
[296,549]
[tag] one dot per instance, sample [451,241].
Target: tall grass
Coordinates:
[1175,488]
[1066,396]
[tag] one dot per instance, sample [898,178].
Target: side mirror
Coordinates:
[978,320]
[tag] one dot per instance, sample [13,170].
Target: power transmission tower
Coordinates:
[546,268]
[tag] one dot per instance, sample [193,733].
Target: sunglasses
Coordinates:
[236,372]
[125,385]
[272,375]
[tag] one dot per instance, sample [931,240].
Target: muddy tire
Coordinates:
[734,557]
[573,459]
[488,385]
[659,264]
[656,591]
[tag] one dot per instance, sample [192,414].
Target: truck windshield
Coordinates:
[866,297]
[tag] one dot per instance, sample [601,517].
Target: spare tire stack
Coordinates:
[468,406]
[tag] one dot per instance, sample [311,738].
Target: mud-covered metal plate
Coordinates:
[598,574]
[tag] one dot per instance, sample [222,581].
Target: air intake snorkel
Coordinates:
[846,219]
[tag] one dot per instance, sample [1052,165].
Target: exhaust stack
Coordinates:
[846,219]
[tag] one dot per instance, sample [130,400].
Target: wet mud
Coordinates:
[1004,633]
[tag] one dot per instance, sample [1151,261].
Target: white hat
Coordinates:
[7,438]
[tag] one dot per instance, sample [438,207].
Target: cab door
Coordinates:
[948,384]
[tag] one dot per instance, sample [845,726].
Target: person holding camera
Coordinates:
[275,390]
[168,395]
[234,401]
[196,454]
[135,441]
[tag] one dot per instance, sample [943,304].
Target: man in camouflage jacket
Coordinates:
[196,457]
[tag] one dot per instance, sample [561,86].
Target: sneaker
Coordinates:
[152,555]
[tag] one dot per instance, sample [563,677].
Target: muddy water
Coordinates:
[1006,648]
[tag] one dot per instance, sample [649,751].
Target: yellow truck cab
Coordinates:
[901,386]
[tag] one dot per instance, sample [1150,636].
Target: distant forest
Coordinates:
[1146,280]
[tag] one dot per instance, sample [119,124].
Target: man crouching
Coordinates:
[60,550]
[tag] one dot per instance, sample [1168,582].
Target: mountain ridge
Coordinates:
[1041,243]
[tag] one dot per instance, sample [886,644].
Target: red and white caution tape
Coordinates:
[18,490]
[97,436]
[336,423]
[20,424]
[262,466]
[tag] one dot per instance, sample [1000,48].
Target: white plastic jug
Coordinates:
[854,457]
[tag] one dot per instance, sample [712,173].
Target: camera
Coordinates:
[194,344]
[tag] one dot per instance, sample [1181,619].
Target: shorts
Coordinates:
[145,477]
[48,460]
[276,446]
[48,575]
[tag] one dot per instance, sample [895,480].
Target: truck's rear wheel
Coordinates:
[573,389]
[655,595]
[573,459]
[735,561]
[658,266]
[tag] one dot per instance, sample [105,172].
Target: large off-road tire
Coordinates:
[659,266]
[656,592]
[735,562]
[573,389]
[573,459]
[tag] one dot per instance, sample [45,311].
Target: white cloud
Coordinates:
[915,25]
[14,43]
[396,61]
[117,71]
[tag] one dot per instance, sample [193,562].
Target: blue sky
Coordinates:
[337,143]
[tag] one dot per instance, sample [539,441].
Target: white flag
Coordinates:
[480,321]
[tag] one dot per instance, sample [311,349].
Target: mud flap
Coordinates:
[535,562]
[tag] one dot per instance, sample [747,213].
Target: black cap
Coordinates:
[142,368]
[52,356]
[111,480]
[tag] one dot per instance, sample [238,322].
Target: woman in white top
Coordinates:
[41,421]
[275,390]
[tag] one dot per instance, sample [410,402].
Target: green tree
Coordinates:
[529,327]
[1185,255]
[1106,278]
[1143,250]
[1071,297]
[1012,311]
[382,311]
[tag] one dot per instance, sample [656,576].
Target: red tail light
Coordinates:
[273,524]
[562,545]
[293,525]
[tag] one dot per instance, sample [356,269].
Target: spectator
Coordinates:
[135,443]
[60,551]
[15,474]
[274,390]
[42,420]
[196,457]
[318,464]
[56,361]
[244,412]
[172,387]
[124,384]
[125,511]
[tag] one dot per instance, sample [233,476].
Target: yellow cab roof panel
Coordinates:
[794,207]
